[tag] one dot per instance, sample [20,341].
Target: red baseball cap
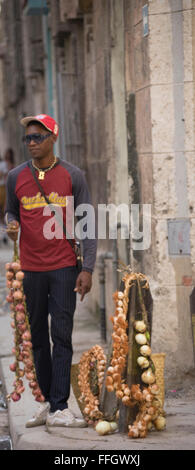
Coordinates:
[47,121]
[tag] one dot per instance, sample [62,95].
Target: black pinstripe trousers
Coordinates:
[52,292]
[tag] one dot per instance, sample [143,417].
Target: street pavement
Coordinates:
[180,411]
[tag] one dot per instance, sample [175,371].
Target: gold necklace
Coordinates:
[42,172]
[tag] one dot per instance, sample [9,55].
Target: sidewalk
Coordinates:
[180,429]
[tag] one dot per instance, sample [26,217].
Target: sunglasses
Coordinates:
[37,138]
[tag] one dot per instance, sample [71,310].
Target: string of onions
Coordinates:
[93,356]
[22,335]
[150,408]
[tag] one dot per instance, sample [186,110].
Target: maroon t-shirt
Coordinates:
[26,204]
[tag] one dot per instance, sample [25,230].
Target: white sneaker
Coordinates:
[40,415]
[65,418]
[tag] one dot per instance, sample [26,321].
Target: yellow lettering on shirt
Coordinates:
[38,201]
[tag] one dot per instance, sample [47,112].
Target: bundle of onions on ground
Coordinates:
[22,336]
[91,374]
[150,407]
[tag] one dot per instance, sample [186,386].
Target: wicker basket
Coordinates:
[159,363]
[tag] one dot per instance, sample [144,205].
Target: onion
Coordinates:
[154,389]
[29,363]
[140,338]
[160,423]
[19,276]
[119,309]
[26,335]
[16,284]
[15,266]
[121,317]
[125,400]
[113,426]
[13,367]
[147,418]
[143,362]
[133,431]
[116,377]
[20,389]
[27,345]
[9,284]
[20,316]
[9,275]
[15,396]
[22,327]
[9,298]
[40,398]
[110,370]
[20,307]
[32,384]
[18,295]
[151,410]
[103,427]
[30,375]
[140,326]
[145,350]
[20,357]
[110,388]
[119,394]
[26,353]
[148,377]
[17,382]
[120,295]
[7,266]
[109,380]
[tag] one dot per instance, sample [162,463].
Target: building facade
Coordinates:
[119,77]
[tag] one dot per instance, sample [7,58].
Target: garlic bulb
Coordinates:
[145,350]
[143,362]
[160,423]
[140,338]
[140,326]
[103,427]
[148,377]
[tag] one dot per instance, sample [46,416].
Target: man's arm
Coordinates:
[82,196]
[12,215]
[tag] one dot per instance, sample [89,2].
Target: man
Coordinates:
[51,277]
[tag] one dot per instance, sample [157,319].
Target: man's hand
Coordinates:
[12,230]
[83,283]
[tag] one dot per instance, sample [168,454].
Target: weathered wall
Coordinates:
[106,139]
[172,145]
[125,104]
[160,124]
[23,73]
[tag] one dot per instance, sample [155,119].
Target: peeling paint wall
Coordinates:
[159,72]
[171,112]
